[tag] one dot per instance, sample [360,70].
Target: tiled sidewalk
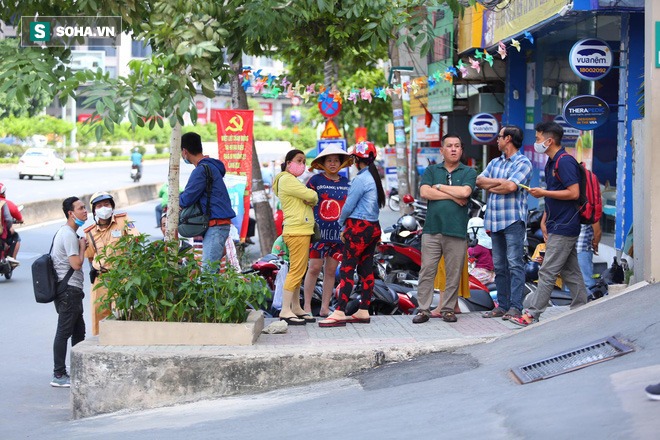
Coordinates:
[395,329]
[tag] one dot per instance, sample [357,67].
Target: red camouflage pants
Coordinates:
[361,238]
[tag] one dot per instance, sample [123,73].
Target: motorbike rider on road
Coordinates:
[10,236]
[136,159]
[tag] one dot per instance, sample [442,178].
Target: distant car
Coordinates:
[40,162]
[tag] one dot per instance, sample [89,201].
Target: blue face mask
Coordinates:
[186,161]
[78,222]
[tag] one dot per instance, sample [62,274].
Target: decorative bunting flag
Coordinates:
[270,86]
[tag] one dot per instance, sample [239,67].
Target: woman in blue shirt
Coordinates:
[360,234]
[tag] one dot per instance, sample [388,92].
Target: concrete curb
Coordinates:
[110,379]
[47,210]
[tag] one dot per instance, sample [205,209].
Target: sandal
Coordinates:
[332,322]
[512,313]
[293,320]
[449,317]
[307,317]
[523,320]
[495,313]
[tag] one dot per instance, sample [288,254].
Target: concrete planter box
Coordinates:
[113,332]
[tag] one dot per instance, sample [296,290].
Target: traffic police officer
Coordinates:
[107,230]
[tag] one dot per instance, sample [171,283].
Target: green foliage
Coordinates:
[149,282]
[305,139]
[208,132]
[10,153]
[25,127]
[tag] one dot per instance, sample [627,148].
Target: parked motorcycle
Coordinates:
[135,173]
[393,199]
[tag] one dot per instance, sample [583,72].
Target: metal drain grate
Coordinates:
[593,353]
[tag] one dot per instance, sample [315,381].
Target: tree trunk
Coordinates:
[262,209]
[173,182]
[402,171]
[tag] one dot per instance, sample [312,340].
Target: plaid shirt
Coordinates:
[505,209]
[586,238]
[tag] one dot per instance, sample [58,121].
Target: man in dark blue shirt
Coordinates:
[560,224]
[220,205]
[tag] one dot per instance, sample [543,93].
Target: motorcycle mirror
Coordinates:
[404,233]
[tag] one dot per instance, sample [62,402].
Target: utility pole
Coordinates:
[401,145]
[262,209]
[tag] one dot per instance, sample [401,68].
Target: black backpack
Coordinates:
[44,278]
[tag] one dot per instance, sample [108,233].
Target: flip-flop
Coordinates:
[355,320]
[293,320]
[332,322]
[435,315]
[307,317]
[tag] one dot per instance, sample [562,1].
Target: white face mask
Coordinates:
[104,212]
[540,148]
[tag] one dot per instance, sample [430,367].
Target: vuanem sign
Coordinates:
[586,112]
[590,59]
[484,128]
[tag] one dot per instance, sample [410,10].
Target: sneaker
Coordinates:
[653,391]
[62,381]
[14,262]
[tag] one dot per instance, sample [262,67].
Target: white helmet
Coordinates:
[409,223]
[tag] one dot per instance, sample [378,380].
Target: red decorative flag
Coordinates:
[235,140]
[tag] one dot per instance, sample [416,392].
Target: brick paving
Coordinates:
[394,330]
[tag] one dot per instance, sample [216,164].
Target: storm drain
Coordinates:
[593,353]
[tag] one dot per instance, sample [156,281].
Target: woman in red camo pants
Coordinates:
[360,234]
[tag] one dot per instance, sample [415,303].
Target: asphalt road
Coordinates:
[85,178]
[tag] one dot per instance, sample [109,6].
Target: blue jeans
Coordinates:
[509,262]
[585,260]
[214,244]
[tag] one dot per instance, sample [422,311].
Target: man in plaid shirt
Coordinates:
[506,214]
[587,247]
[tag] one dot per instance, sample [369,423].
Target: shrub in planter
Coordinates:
[157,281]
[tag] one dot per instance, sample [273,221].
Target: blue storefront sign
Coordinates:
[590,59]
[484,128]
[571,134]
[586,112]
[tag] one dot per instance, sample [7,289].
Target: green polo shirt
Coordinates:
[446,216]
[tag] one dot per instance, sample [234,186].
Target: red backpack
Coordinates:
[590,202]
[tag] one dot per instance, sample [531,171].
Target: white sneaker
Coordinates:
[14,262]
[63,381]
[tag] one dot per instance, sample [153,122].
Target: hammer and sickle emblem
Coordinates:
[235,124]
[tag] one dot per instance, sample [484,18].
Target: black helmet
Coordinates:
[532,271]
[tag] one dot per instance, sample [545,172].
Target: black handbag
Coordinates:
[193,220]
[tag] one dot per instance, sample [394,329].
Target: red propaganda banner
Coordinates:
[235,151]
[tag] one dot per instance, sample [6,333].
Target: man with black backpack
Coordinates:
[560,224]
[215,203]
[68,256]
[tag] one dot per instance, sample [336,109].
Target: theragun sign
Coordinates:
[590,59]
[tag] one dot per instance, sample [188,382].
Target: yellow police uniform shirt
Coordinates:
[98,237]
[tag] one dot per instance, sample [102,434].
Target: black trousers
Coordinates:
[70,324]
